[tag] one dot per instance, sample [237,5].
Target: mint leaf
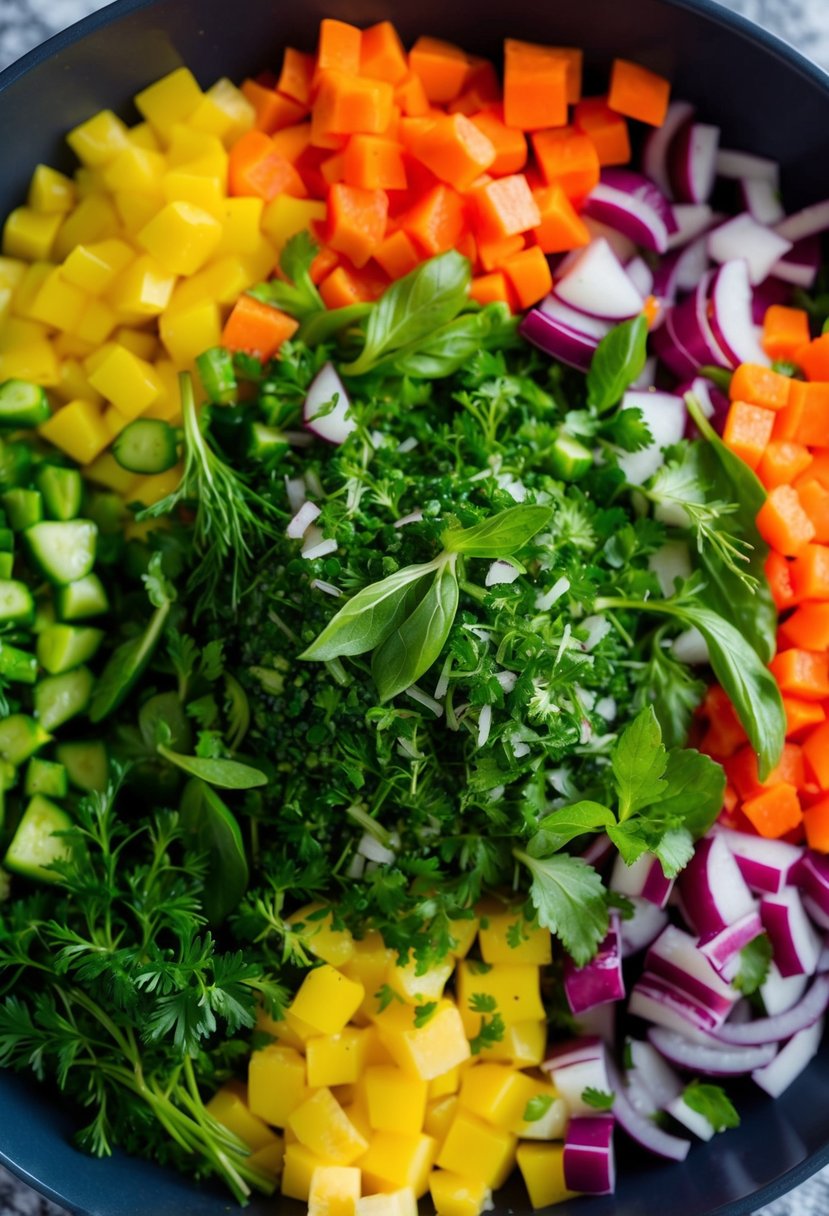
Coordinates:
[638,760]
[755,960]
[569,897]
[598,1098]
[713,1103]
[618,361]
[537,1107]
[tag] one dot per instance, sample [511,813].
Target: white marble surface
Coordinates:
[804,23]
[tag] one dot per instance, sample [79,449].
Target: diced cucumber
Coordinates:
[107,510]
[62,647]
[569,458]
[266,442]
[44,615]
[64,551]
[46,777]
[6,565]
[23,508]
[84,598]
[22,404]
[147,445]
[59,698]
[86,764]
[17,666]
[6,538]
[34,845]
[8,775]
[15,463]
[218,375]
[20,737]
[16,602]
[62,491]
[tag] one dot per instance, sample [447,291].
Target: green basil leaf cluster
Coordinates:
[617,363]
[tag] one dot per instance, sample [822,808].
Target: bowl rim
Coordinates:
[718,15]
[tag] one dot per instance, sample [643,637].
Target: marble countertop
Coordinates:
[804,23]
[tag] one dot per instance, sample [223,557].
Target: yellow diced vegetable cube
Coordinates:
[523,1044]
[181,237]
[514,987]
[395,1203]
[299,1029]
[51,191]
[157,486]
[70,346]
[428,1050]
[168,405]
[279,1030]
[12,271]
[542,1168]
[454,1195]
[497,1093]
[18,332]
[36,362]
[206,192]
[326,999]
[74,383]
[115,423]
[140,341]
[94,219]
[505,936]
[464,930]
[228,1106]
[136,210]
[338,1059]
[6,295]
[89,181]
[94,268]
[268,1159]
[396,1101]
[286,216]
[143,136]
[313,925]
[106,471]
[240,219]
[99,139]
[395,1160]
[447,1083]
[58,304]
[321,1124]
[415,988]
[25,295]
[128,382]
[199,152]
[94,360]
[78,430]
[478,1150]
[440,1116]
[30,234]
[143,290]
[224,111]
[170,100]
[136,171]
[548,1114]
[261,262]
[187,334]
[276,1083]
[357,1112]
[334,1191]
[298,1168]
[221,282]
[368,965]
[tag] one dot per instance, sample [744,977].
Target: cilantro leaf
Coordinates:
[598,1099]
[638,760]
[674,693]
[296,292]
[569,897]
[674,850]
[618,361]
[385,994]
[628,430]
[755,960]
[482,1002]
[579,819]
[537,1107]
[424,1013]
[713,1103]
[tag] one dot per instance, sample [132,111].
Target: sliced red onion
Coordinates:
[643,927]
[645,879]
[557,340]
[638,185]
[665,276]
[823,961]
[295,489]
[692,263]
[689,322]
[811,221]
[657,1001]
[692,219]
[738,165]
[600,1021]
[658,1078]
[772,291]
[812,878]
[501,572]
[693,161]
[581,1065]
[695,1123]
[334,425]
[675,956]
[782,994]
[790,1061]
[665,416]
[589,1162]
[640,275]
[599,981]
[573,1051]
[762,200]
[707,1058]
[670,562]
[713,401]
[766,865]
[622,245]
[298,526]
[721,948]
[658,142]
[713,890]
[817,914]
[796,943]
[581,322]
[801,264]
[642,1129]
[730,315]
[671,351]
[742,237]
[595,283]
[630,214]
[782,1025]
[598,851]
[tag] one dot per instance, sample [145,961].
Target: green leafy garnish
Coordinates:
[214,831]
[755,960]
[569,899]
[713,1103]
[617,363]
[537,1107]
[424,1013]
[598,1099]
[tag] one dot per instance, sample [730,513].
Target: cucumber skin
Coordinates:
[33,845]
[57,699]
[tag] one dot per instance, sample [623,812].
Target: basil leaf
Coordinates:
[321,327]
[125,665]
[448,348]
[567,824]
[413,308]
[227,774]
[638,761]
[214,831]
[370,615]
[617,363]
[501,535]
[414,645]
[569,897]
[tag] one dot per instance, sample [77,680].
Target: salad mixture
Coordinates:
[414,627]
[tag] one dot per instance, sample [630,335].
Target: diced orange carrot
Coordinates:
[744,777]
[782,522]
[397,255]
[455,150]
[510,145]
[814,498]
[528,274]
[760,386]
[410,95]
[467,247]
[412,128]
[816,823]
[785,330]
[257,329]
[349,285]
[273,110]
[775,811]
[482,89]
[493,254]
[436,221]
[374,163]
[779,576]
[561,228]
[810,573]
[442,67]
[338,48]
[818,470]
[322,265]
[505,207]
[381,54]
[802,673]
[638,93]
[808,626]
[725,732]
[801,715]
[608,130]
[816,753]
[811,401]
[333,169]
[729,800]
[813,358]
[748,429]
[572,56]
[491,288]
[296,75]
[350,105]
[256,168]
[782,461]
[356,221]
[536,87]
[568,159]
[291,142]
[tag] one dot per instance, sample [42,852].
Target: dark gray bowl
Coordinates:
[769,100]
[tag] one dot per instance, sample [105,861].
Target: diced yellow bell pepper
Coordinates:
[106,471]
[169,101]
[94,360]
[136,210]
[51,191]
[286,216]
[338,1059]
[497,1093]
[326,999]
[58,304]
[454,1195]
[334,1191]
[478,1150]
[440,1116]
[279,1030]
[368,964]
[224,111]
[19,332]
[115,423]
[140,341]
[542,1168]
[549,1113]
[78,430]
[397,1203]
[98,140]
[74,383]
[240,219]
[94,268]
[313,925]
[228,1106]
[505,936]
[181,237]
[357,1111]
[198,152]
[168,406]
[464,930]
[415,988]
[89,181]
[186,334]
[94,219]
[321,1124]
[36,362]
[261,262]
[298,1168]
[299,1029]
[6,295]
[393,1161]
[70,346]
[128,382]
[447,1083]
[515,988]
[276,1083]
[220,282]
[31,234]
[11,272]
[143,290]
[524,1044]
[268,1159]
[143,136]
[25,295]
[396,1101]
[152,489]
[136,171]
[206,192]
[428,1050]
